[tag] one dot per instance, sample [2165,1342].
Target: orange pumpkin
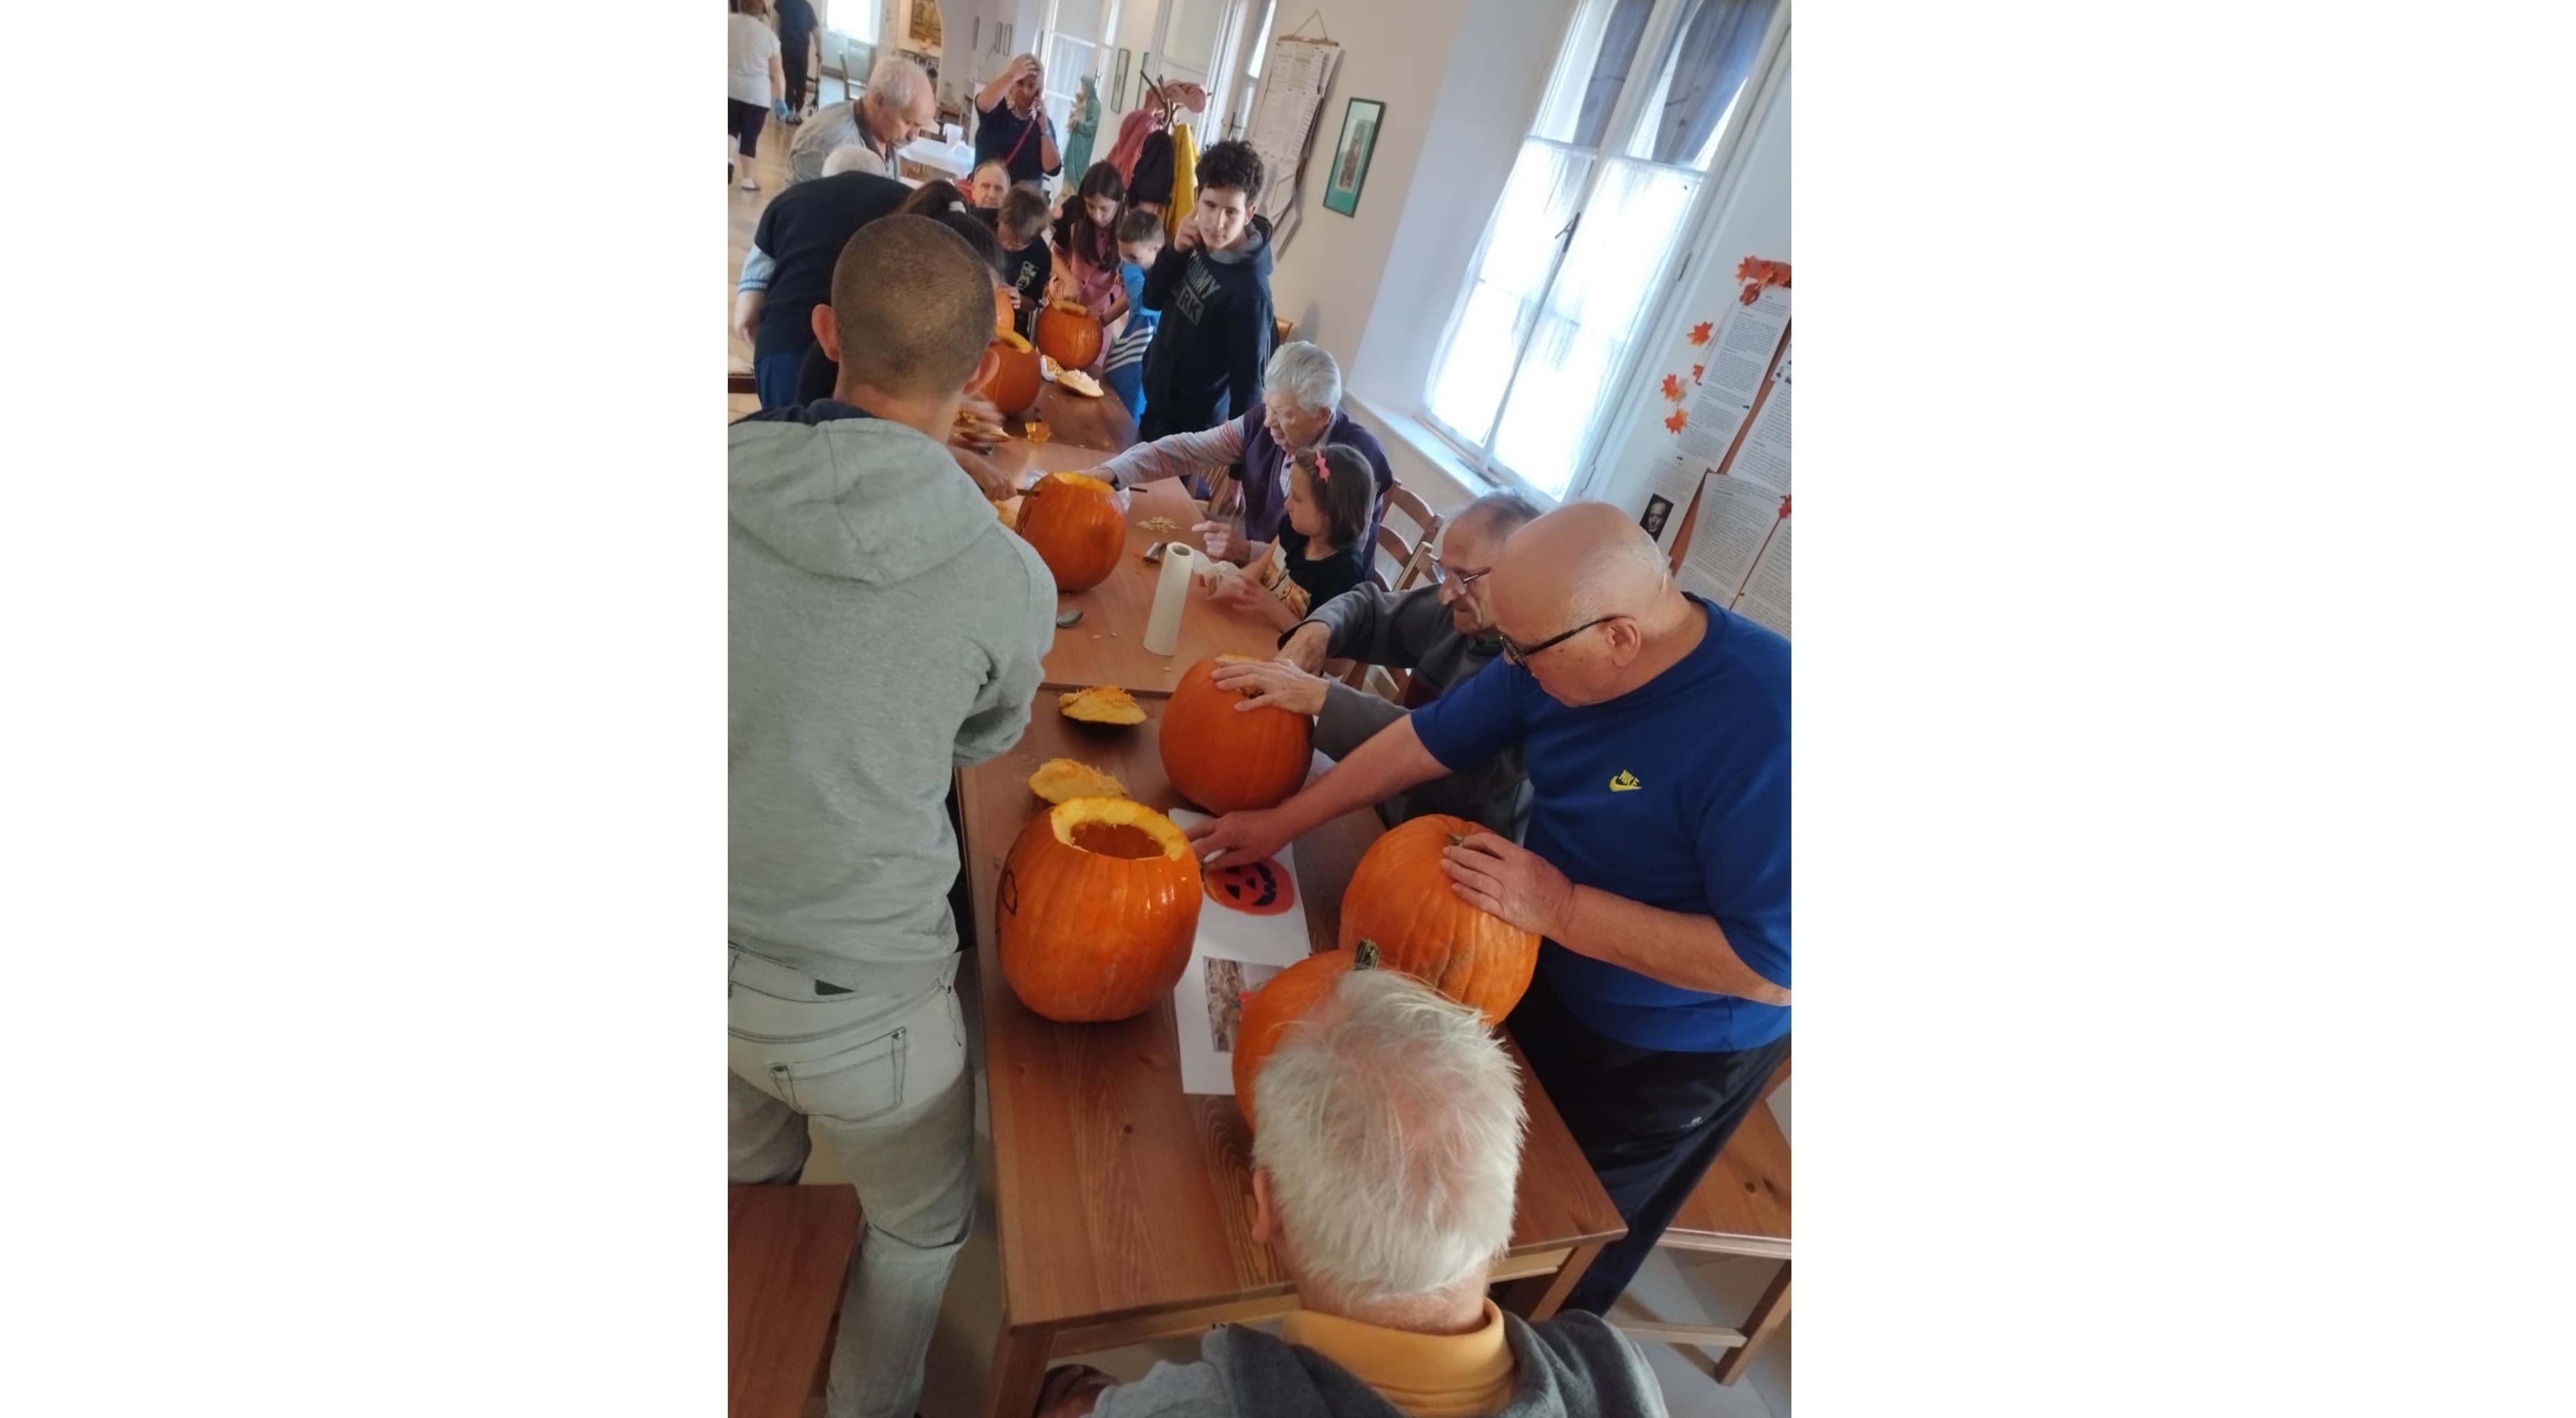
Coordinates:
[1400,898]
[1068,334]
[1098,904]
[1283,1002]
[1227,761]
[1075,528]
[1002,311]
[1014,387]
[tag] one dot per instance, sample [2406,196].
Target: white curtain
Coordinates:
[1546,182]
[1581,340]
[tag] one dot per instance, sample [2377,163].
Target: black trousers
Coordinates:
[743,121]
[791,57]
[1649,1122]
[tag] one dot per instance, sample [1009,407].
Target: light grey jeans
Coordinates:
[884,1078]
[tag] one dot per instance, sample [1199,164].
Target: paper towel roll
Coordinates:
[1171,590]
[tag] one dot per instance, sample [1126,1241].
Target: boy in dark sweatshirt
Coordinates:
[1212,288]
[1027,264]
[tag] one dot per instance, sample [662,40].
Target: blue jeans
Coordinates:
[774,376]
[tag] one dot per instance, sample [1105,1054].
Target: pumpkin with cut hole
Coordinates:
[1227,761]
[1014,386]
[1282,1002]
[1400,898]
[1098,903]
[1075,527]
[1068,334]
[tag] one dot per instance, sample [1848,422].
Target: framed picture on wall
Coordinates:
[1118,90]
[1351,155]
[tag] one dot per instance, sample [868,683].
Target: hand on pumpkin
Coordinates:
[1496,875]
[997,483]
[979,426]
[1237,837]
[1305,647]
[1274,685]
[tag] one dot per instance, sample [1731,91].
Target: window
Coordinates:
[855,19]
[1647,95]
[1074,29]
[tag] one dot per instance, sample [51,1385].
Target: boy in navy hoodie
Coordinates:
[1212,289]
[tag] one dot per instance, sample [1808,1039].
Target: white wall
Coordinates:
[1752,220]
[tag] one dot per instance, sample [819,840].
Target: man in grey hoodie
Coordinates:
[1385,1168]
[885,631]
[1443,633]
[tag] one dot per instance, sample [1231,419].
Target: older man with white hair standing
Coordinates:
[1300,411]
[1383,1178]
[1656,731]
[898,105]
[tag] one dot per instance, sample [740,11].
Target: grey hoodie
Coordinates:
[885,631]
[1573,1366]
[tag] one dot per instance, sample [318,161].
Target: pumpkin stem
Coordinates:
[1364,955]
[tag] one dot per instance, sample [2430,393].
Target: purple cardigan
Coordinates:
[1245,444]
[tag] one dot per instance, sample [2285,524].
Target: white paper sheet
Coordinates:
[1669,485]
[1297,74]
[1735,517]
[1235,952]
[1766,591]
[1732,373]
[1764,458]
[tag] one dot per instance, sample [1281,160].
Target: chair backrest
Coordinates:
[1409,558]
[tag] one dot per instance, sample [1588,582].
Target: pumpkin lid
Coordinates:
[1011,338]
[1079,482]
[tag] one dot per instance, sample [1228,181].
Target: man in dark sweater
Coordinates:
[1443,633]
[1383,1175]
[796,26]
[1212,286]
[788,270]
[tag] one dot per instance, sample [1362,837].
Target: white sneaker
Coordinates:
[750,183]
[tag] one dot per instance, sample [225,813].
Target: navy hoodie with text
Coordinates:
[1205,363]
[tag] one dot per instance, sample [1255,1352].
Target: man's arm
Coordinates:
[1206,450]
[1164,276]
[992,92]
[1002,712]
[1366,623]
[1050,161]
[1384,766]
[1687,952]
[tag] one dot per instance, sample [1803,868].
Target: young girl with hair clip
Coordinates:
[1323,550]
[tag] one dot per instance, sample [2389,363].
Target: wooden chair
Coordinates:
[1741,1208]
[1282,331]
[1411,561]
[788,1250]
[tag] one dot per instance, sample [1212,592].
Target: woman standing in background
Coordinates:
[754,82]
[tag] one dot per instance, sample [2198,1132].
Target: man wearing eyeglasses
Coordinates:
[1443,633]
[1655,727]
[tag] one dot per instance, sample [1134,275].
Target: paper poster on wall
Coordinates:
[1735,518]
[1252,926]
[1764,458]
[1766,590]
[1297,72]
[1732,373]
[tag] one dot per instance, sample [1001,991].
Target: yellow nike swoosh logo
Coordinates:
[1626,782]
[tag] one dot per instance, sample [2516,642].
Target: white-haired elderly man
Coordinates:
[1383,1178]
[898,105]
[1300,411]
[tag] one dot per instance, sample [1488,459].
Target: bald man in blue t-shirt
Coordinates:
[1656,730]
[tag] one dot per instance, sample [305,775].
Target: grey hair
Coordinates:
[853,157]
[898,82]
[1391,1126]
[1500,513]
[1307,374]
[1622,577]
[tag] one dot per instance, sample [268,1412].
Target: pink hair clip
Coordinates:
[1323,470]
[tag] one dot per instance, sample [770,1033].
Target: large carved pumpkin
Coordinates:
[1075,527]
[1400,898]
[1014,387]
[1098,904]
[1281,1003]
[1227,761]
[1068,334]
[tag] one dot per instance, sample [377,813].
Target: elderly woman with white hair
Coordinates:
[1383,1178]
[897,105]
[1301,411]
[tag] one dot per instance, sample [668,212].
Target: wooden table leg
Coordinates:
[1769,1313]
[1539,1297]
[1019,1370]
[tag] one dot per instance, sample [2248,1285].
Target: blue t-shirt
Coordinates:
[1674,795]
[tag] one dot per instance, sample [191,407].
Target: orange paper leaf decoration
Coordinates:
[1673,387]
[1751,294]
[1699,332]
[1784,505]
[1695,369]
[1679,418]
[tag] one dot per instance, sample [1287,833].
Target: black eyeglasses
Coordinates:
[1521,654]
[1464,580]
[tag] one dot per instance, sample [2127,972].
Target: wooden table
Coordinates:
[1124,1204]
[1101,424]
[1108,646]
[788,1254]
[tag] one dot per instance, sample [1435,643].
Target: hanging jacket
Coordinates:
[1131,143]
[1185,189]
